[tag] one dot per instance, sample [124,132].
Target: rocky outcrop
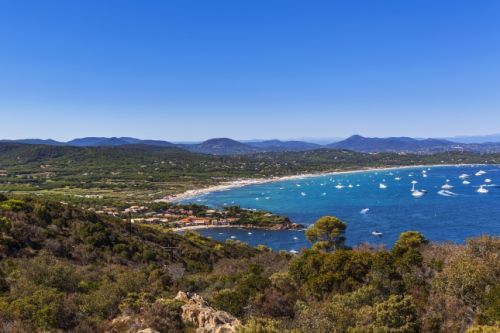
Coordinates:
[205,318]
[128,324]
[287,226]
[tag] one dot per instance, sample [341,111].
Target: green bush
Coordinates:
[232,301]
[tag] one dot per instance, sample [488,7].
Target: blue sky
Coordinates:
[191,70]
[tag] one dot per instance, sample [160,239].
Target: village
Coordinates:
[186,216]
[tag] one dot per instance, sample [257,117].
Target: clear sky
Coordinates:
[191,70]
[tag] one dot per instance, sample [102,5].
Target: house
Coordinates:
[193,220]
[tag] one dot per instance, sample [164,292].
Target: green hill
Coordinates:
[135,172]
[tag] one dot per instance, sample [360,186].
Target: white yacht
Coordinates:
[364,210]
[482,190]
[487,180]
[377,233]
[466,182]
[397,178]
[447,186]
[463,176]
[339,186]
[381,185]
[417,194]
[480,173]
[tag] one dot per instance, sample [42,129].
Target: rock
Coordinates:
[148,330]
[207,319]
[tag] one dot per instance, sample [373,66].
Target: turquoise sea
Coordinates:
[451,214]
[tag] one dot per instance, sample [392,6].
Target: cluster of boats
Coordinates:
[445,189]
[482,188]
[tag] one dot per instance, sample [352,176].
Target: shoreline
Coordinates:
[233,226]
[225,186]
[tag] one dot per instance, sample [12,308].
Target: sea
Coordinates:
[376,205]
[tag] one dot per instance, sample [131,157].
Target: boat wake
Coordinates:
[446,193]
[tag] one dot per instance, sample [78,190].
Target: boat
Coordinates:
[377,233]
[295,238]
[417,194]
[303,194]
[463,176]
[447,186]
[397,178]
[294,251]
[364,210]
[482,190]
[350,186]
[233,237]
[382,186]
[424,175]
[250,233]
[339,186]
[466,182]
[487,180]
[480,173]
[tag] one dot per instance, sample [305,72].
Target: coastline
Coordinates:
[191,194]
[231,226]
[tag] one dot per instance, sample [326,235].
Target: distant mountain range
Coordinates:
[491,138]
[394,144]
[226,146]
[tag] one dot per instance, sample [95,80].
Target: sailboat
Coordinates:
[480,173]
[414,192]
[417,194]
[482,190]
[463,176]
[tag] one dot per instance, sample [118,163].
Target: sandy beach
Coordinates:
[253,181]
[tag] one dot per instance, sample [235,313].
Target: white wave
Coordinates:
[446,193]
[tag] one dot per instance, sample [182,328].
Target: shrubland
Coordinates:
[71,270]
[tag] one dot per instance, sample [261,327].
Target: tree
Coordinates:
[327,234]
[408,240]
[406,250]
[396,315]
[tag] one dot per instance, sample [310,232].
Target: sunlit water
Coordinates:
[455,215]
